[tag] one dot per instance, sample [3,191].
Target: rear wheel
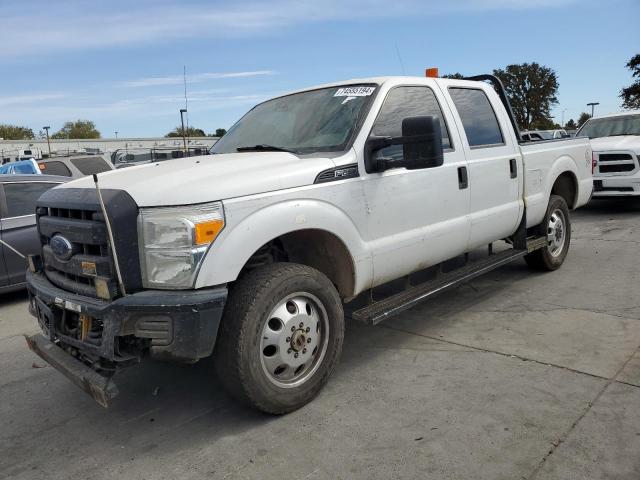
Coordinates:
[556,227]
[280,338]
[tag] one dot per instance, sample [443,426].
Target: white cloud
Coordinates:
[81,24]
[28,99]
[195,78]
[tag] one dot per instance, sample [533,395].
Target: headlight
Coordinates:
[173,241]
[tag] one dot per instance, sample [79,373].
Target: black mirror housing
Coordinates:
[422,145]
[421,142]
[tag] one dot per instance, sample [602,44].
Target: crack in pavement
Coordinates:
[587,409]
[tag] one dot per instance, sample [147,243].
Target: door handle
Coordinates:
[513,167]
[463,178]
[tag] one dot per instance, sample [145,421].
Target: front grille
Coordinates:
[86,231]
[616,163]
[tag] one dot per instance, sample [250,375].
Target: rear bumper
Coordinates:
[170,325]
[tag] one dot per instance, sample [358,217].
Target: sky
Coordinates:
[120,63]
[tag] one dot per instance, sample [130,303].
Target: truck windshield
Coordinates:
[610,127]
[322,120]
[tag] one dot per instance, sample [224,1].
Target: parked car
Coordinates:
[75,166]
[18,195]
[21,167]
[616,153]
[310,200]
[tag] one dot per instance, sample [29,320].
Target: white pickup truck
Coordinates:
[353,189]
[616,153]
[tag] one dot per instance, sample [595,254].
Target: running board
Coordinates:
[381,310]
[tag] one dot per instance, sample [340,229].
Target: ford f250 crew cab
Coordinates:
[615,140]
[312,199]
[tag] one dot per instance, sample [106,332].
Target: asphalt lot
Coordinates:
[517,375]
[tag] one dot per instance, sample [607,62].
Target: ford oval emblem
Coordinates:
[61,247]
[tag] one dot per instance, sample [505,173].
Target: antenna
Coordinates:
[400,59]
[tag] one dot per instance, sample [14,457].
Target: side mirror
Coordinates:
[421,142]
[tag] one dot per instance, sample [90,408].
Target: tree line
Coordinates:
[532,90]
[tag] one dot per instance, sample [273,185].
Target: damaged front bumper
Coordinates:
[102,336]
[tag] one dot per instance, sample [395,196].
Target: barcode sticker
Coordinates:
[354,92]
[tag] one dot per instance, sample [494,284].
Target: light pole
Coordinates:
[592,105]
[46,129]
[116,132]
[184,133]
[563,110]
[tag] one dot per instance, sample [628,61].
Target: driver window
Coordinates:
[402,102]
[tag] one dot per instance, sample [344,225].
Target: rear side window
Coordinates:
[55,168]
[478,118]
[22,197]
[90,165]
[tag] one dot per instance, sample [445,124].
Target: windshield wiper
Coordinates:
[264,148]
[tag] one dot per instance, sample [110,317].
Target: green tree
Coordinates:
[219,132]
[570,125]
[189,132]
[532,90]
[631,95]
[455,76]
[584,116]
[78,129]
[14,132]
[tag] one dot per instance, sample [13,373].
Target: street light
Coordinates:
[563,110]
[184,134]
[592,105]
[116,132]
[46,129]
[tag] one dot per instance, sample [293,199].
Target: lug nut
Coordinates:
[288,339]
[304,350]
[308,329]
[296,355]
[293,329]
[309,340]
[301,324]
[289,351]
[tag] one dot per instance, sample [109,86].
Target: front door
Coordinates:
[415,218]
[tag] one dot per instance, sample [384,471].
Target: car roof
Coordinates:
[4,178]
[619,114]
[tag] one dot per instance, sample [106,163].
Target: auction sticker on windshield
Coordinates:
[354,92]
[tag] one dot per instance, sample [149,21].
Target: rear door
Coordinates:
[4,279]
[495,164]
[18,225]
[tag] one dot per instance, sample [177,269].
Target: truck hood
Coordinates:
[622,142]
[209,178]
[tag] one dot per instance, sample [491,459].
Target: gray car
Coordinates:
[18,195]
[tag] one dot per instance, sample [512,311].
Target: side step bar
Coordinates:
[381,310]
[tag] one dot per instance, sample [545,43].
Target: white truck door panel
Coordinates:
[495,165]
[416,218]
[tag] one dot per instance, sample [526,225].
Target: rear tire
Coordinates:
[281,337]
[556,227]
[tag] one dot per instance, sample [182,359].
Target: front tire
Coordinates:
[556,227]
[281,337]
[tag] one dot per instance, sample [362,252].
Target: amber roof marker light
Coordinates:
[431,72]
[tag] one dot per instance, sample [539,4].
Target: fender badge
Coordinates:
[89,268]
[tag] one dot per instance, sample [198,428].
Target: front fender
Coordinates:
[239,241]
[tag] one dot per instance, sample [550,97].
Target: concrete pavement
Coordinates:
[517,375]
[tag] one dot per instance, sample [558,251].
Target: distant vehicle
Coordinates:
[75,167]
[539,135]
[18,195]
[616,153]
[28,153]
[21,167]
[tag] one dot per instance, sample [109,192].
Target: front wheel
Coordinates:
[556,227]
[280,338]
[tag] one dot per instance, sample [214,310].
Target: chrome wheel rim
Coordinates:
[294,340]
[556,233]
